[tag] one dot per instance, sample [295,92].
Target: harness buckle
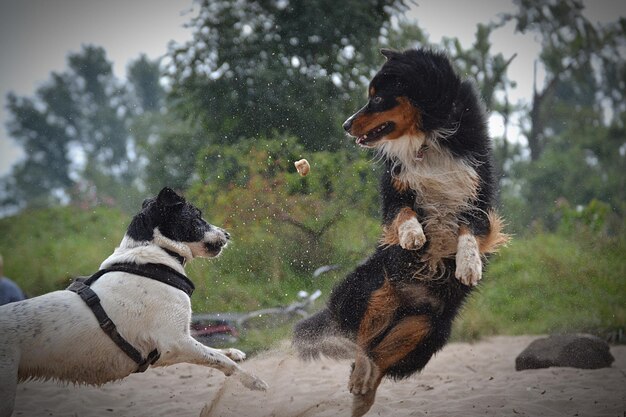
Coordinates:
[107,325]
[150,360]
[89,296]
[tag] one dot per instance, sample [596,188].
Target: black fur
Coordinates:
[175,218]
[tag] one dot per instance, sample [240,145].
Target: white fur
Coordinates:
[445,187]
[411,234]
[56,335]
[469,265]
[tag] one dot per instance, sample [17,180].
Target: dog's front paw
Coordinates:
[251,381]
[469,266]
[411,235]
[234,354]
[364,375]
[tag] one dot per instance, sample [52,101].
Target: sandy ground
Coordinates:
[462,380]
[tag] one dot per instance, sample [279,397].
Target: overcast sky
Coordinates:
[36,37]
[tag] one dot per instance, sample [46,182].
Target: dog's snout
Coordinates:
[220,234]
[347,125]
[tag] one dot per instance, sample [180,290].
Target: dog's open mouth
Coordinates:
[375,134]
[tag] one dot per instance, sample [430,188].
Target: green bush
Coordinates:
[551,283]
[44,249]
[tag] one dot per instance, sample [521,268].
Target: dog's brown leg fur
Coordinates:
[372,363]
[401,340]
[378,315]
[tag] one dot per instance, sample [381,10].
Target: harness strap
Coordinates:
[161,273]
[106,324]
[157,272]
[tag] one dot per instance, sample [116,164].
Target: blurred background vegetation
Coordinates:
[262,84]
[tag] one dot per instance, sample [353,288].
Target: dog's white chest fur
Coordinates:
[443,184]
[445,187]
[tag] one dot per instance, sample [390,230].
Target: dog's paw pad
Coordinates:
[234,354]
[411,235]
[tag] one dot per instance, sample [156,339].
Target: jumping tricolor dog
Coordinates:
[394,311]
[135,312]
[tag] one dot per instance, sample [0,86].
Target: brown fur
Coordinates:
[496,238]
[378,315]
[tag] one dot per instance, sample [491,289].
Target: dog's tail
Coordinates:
[319,335]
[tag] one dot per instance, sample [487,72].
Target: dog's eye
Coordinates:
[377,100]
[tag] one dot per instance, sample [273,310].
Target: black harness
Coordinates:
[158,272]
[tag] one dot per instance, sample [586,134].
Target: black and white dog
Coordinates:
[57,336]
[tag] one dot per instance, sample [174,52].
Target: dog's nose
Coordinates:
[347,125]
[227,235]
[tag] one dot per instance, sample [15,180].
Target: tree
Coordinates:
[287,221]
[73,130]
[577,57]
[166,147]
[46,144]
[575,125]
[144,80]
[258,67]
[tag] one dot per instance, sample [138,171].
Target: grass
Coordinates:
[542,284]
[549,284]
[44,249]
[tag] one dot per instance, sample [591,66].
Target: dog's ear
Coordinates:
[146,202]
[168,198]
[389,53]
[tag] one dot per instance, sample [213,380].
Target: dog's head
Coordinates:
[172,223]
[412,94]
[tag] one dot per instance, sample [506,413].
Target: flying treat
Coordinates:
[303,167]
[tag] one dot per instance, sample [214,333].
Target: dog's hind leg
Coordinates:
[361,403]
[378,317]
[191,351]
[9,361]
[396,344]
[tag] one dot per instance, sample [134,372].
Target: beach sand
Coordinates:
[477,379]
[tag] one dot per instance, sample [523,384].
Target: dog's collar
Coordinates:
[419,155]
[180,258]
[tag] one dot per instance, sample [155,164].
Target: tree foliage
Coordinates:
[252,188]
[258,67]
[575,124]
[583,65]
[265,81]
